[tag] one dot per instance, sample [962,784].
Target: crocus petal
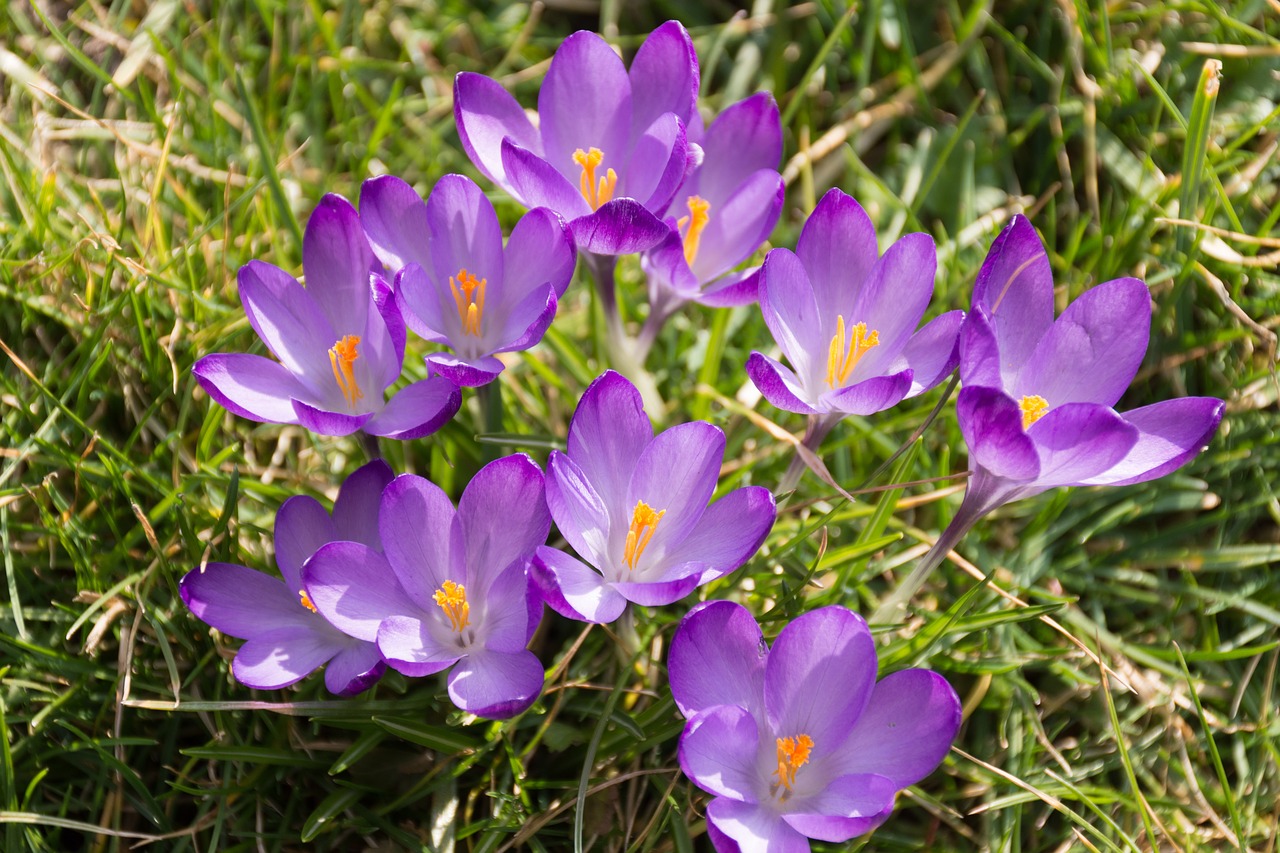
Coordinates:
[574,590]
[417,410]
[664,76]
[290,323]
[718,752]
[729,532]
[353,588]
[730,291]
[239,601]
[280,657]
[744,138]
[838,248]
[354,669]
[753,828]
[422,542]
[465,235]
[502,609]
[1170,433]
[418,301]
[1015,287]
[906,729]
[658,593]
[584,103]
[1077,441]
[486,114]
[871,395]
[831,645]
[528,321]
[302,526]
[465,373]
[847,807]
[658,164]
[384,299]
[336,258]
[504,517]
[667,272]
[381,358]
[536,183]
[395,221]
[778,384]
[540,251]
[991,423]
[676,474]
[579,511]
[250,386]
[496,685]
[619,227]
[933,351]
[411,646]
[791,312]
[608,432]
[1091,353]
[740,224]
[979,351]
[717,657]
[355,512]
[323,422]
[893,298]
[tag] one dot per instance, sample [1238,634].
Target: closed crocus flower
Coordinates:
[339,341]
[610,147]
[635,508]
[286,639]
[450,588]
[455,283]
[800,741]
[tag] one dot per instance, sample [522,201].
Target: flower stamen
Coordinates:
[595,190]
[342,357]
[793,753]
[644,523]
[1034,407]
[306,600]
[452,598]
[699,216]
[844,353]
[468,295]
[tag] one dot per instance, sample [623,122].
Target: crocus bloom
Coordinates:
[610,147]
[339,341]
[723,212]
[286,638]
[634,507]
[455,285]
[846,317]
[800,740]
[451,586]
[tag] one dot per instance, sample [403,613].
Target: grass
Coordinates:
[1119,671]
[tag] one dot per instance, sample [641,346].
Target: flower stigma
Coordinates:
[844,353]
[793,753]
[306,600]
[644,523]
[342,356]
[468,295]
[1033,409]
[699,216]
[452,598]
[595,190]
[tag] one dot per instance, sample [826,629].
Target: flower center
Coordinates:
[595,190]
[845,352]
[1033,408]
[699,216]
[452,598]
[306,600]
[644,523]
[793,753]
[468,295]
[342,356]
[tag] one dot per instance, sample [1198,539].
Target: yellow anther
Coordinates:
[1033,408]
[306,600]
[342,356]
[644,523]
[793,753]
[844,353]
[452,598]
[699,216]
[595,190]
[468,295]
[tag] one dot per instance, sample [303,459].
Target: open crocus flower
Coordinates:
[800,741]
[610,146]
[455,285]
[338,352]
[451,588]
[634,507]
[286,638]
[845,317]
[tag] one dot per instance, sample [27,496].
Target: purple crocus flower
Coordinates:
[451,587]
[800,741]
[455,285]
[610,147]
[339,341]
[634,507]
[285,638]
[845,317]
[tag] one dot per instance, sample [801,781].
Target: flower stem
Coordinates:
[490,399]
[369,442]
[818,428]
[618,345]
[892,607]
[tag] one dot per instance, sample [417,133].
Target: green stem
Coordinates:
[619,347]
[891,609]
[490,399]
[819,427]
[372,449]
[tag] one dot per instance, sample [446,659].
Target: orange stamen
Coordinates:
[306,600]
[644,523]
[595,190]
[1033,409]
[452,598]
[793,753]
[468,295]
[342,355]
[699,216]
[844,354]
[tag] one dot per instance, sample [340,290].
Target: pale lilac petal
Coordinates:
[463,372]
[323,422]
[496,685]
[664,76]
[353,588]
[778,384]
[620,227]
[658,164]
[465,235]
[717,657]
[1170,433]
[846,807]
[536,183]
[1091,353]
[608,433]
[527,321]
[302,526]
[354,669]
[730,291]
[381,357]
[893,298]
[1015,287]
[419,303]
[384,299]
[753,828]
[395,221]
[355,512]
[933,351]
[744,138]
[1077,441]
[579,512]
[540,251]
[280,657]
[239,601]
[422,543]
[657,593]
[818,649]
[729,533]
[979,351]
[838,249]
[792,315]
[871,395]
[250,386]
[584,103]
[417,410]
[667,272]
[738,226]
[676,474]
[500,611]
[336,258]
[504,517]
[574,590]
[290,323]
[718,752]
[485,114]
[412,645]
[991,423]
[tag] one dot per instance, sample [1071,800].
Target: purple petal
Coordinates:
[676,474]
[418,301]
[384,299]
[991,423]
[608,433]
[579,512]
[381,356]
[718,752]
[791,312]
[280,657]
[1170,433]
[739,225]
[354,669]
[730,291]
[423,544]
[355,512]
[417,410]
[411,646]
[818,649]
[717,657]
[778,384]
[465,235]
[496,685]
[669,278]
[353,588]
[573,590]
[752,827]
[838,249]
[620,227]
[933,351]
[893,298]
[241,602]
[302,526]
[486,114]
[979,351]
[465,373]
[395,222]
[336,258]
[729,533]
[847,807]
[504,517]
[501,610]
[658,164]
[906,729]
[871,395]
[528,321]
[744,138]
[250,386]
[1077,441]
[536,183]
[323,422]
[539,252]
[664,76]
[290,323]
[1090,354]
[1015,287]
[584,103]
[657,593]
